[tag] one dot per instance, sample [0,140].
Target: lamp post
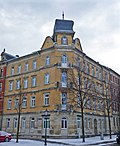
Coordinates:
[46,124]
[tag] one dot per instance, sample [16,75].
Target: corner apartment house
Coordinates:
[44,80]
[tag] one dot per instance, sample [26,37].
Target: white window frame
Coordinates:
[10,85]
[34,64]
[32,123]
[26,66]
[34,80]
[64,123]
[64,79]
[17,84]
[47,60]
[46,99]
[12,71]
[64,40]
[9,103]
[16,103]
[23,123]
[15,123]
[24,102]
[33,101]
[26,83]
[47,78]
[46,122]
[64,60]
[19,69]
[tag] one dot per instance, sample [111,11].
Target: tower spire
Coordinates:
[63,15]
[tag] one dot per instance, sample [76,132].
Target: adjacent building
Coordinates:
[3,63]
[44,81]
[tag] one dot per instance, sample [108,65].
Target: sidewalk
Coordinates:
[88,141]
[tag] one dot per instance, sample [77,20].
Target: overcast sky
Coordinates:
[24,25]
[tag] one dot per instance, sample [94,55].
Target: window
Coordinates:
[106,77]
[34,64]
[78,122]
[47,60]
[10,85]
[19,69]
[0,87]
[100,75]
[33,81]
[9,104]
[24,102]
[64,101]
[32,123]
[8,123]
[16,103]
[64,60]
[64,123]
[100,123]
[64,40]
[89,123]
[26,66]
[97,73]
[47,78]
[93,71]
[64,79]
[46,99]
[88,69]
[12,71]
[18,84]
[1,73]
[23,123]
[33,100]
[89,104]
[25,83]
[46,122]
[15,122]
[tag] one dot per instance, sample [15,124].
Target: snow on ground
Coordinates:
[28,143]
[60,142]
[91,140]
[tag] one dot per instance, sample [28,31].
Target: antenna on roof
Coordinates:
[63,15]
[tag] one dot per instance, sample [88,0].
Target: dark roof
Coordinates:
[9,56]
[63,26]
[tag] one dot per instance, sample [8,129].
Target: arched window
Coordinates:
[64,40]
[64,60]
[64,123]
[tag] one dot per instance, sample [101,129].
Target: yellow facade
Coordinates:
[49,91]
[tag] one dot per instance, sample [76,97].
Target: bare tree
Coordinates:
[81,87]
[19,107]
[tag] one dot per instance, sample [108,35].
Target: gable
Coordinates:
[78,44]
[48,43]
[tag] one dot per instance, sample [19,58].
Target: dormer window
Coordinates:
[64,41]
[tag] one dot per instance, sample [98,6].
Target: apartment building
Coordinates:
[45,80]
[3,62]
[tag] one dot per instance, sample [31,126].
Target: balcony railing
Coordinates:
[64,65]
[64,107]
[62,85]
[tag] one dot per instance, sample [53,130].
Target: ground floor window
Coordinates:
[46,122]
[64,123]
